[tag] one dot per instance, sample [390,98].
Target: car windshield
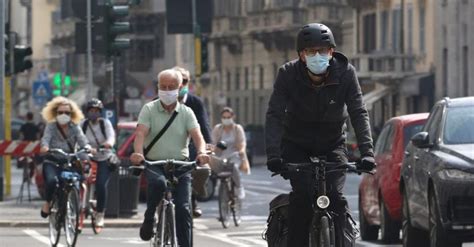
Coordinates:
[123,135]
[409,131]
[459,127]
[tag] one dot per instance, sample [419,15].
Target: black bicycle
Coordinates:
[65,206]
[322,230]
[228,201]
[165,234]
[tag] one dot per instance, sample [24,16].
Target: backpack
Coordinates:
[276,232]
[101,123]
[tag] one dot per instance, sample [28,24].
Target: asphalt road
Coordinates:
[208,232]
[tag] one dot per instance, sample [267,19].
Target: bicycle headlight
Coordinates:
[323,202]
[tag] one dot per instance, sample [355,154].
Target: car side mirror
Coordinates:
[421,140]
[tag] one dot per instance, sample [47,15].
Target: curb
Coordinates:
[40,224]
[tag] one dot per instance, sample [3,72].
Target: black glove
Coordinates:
[367,163]
[275,165]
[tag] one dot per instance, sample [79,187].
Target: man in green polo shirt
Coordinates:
[173,144]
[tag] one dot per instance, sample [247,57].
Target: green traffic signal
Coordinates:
[57,81]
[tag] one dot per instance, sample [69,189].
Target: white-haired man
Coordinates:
[173,144]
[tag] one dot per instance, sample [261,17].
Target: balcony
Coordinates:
[381,66]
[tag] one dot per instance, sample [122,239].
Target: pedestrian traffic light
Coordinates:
[21,58]
[204,55]
[57,81]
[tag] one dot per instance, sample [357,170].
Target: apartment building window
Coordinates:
[410,29]
[262,76]
[228,77]
[227,8]
[396,30]
[465,70]
[422,29]
[245,116]
[370,33]
[261,106]
[237,109]
[384,26]
[282,3]
[254,5]
[237,78]
[445,72]
[246,75]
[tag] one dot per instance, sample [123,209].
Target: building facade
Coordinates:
[411,53]
[250,40]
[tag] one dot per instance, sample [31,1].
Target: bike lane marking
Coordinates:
[221,237]
[36,235]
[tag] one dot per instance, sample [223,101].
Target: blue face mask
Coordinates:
[93,115]
[318,64]
[183,91]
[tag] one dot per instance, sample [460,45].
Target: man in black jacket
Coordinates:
[196,104]
[312,98]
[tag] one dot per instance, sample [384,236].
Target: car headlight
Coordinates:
[455,174]
[323,202]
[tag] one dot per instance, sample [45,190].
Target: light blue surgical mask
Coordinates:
[183,91]
[318,64]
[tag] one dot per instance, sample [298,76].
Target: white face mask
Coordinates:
[168,97]
[63,119]
[227,121]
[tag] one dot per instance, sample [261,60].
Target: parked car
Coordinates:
[379,195]
[437,178]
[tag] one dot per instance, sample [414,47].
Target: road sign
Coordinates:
[41,92]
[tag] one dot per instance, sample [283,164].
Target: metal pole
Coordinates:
[89,50]
[195,30]
[2,75]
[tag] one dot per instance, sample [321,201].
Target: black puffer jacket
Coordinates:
[314,117]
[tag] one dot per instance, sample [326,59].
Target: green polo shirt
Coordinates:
[173,144]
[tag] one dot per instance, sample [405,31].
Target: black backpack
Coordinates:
[276,233]
[102,126]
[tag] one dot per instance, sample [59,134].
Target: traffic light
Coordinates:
[22,60]
[204,55]
[112,27]
[63,85]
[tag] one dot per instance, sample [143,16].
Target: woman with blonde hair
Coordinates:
[234,136]
[63,132]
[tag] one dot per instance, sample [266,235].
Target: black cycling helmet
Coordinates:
[314,34]
[94,103]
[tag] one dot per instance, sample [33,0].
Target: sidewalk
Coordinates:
[27,214]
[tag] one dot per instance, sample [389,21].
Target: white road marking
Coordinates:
[249,192]
[198,226]
[36,235]
[268,189]
[220,237]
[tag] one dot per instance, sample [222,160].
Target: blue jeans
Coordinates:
[50,174]
[181,198]
[103,175]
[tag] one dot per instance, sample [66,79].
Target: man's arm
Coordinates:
[275,116]
[140,133]
[200,144]
[358,114]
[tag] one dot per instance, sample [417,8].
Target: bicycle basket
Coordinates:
[276,232]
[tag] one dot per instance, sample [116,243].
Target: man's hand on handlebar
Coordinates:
[203,159]
[136,158]
[44,149]
[367,163]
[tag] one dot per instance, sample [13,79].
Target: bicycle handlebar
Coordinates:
[60,151]
[145,163]
[350,167]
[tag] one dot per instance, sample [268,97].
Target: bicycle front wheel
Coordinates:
[54,222]
[320,233]
[236,206]
[224,205]
[71,217]
[170,230]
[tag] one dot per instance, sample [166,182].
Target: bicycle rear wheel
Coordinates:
[54,222]
[170,227]
[71,217]
[224,206]
[236,207]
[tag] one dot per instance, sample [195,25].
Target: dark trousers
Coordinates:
[50,174]
[302,195]
[181,198]
[103,175]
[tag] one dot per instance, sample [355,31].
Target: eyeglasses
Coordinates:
[63,112]
[312,51]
